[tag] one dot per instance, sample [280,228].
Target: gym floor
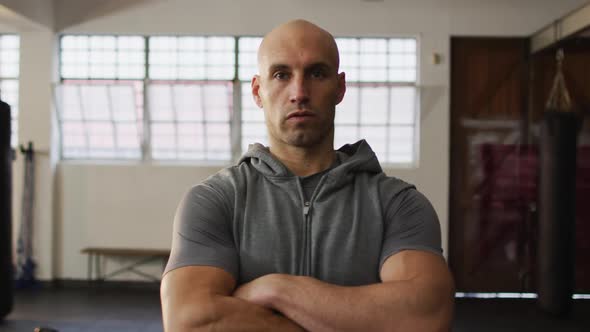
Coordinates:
[94,309]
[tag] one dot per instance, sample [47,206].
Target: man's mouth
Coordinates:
[299,115]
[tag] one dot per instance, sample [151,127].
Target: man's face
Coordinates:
[298,88]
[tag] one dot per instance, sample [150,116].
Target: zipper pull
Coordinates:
[306,208]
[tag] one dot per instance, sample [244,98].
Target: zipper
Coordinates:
[305,210]
[307,205]
[307,257]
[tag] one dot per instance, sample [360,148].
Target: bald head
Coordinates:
[298,86]
[297,34]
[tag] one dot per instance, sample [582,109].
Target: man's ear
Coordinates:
[256,90]
[341,87]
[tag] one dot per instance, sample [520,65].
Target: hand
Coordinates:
[262,291]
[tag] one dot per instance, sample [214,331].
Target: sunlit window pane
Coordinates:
[102,57]
[378,59]
[345,134]
[374,105]
[376,137]
[190,96]
[380,101]
[99,120]
[9,73]
[190,121]
[253,125]
[347,112]
[250,111]
[403,105]
[192,58]
[248,62]
[401,144]
[189,102]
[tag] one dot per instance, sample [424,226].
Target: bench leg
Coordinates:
[97,272]
[89,269]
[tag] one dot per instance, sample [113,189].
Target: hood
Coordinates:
[357,157]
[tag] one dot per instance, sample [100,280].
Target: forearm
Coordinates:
[391,306]
[226,313]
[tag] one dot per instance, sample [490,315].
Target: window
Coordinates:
[380,104]
[102,57]
[101,119]
[190,120]
[191,58]
[380,101]
[100,103]
[9,73]
[253,128]
[189,97]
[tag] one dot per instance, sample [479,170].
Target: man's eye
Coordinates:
[318,73]
[281,75]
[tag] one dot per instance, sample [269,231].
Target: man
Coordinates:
[298,236]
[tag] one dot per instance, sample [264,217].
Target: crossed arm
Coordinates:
[199,298]
[416,294]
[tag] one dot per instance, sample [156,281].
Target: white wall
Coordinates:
[132,205]
[35,124]
[126,205]
[29,18]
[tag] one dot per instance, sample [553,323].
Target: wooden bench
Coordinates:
[99,256]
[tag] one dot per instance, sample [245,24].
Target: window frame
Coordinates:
[15,106]
[236,108]
[414,163]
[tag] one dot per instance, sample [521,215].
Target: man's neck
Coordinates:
[304,161]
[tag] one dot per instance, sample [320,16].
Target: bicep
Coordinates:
[430,279]
[412,264]
[187,293]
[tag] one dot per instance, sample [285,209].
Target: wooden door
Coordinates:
[490,165]
[498,96]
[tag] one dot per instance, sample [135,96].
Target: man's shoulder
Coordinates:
[394,191]
[391,186]
[232,174]
[228,178]
[390,182]
[219,187]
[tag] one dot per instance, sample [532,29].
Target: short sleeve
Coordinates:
[202,231]
[410,223]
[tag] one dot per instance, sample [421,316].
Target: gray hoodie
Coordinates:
[251,219]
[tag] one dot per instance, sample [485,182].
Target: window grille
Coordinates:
[189,97]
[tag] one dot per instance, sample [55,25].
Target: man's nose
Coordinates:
[299,90]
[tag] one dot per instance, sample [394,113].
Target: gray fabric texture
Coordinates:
[251,220]
[310,182]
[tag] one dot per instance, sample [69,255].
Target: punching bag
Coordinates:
[557,197]
[557,212]
[6,274]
